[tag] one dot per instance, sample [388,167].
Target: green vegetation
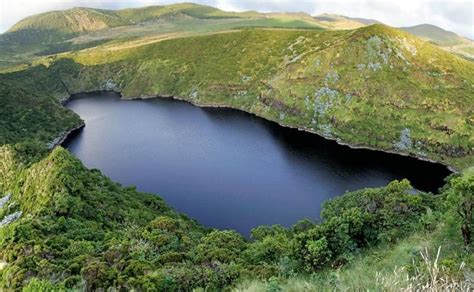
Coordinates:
[29,107]
[447,40]
[75,229]
[63,226]
[435,34]
[77,28]
[372,87]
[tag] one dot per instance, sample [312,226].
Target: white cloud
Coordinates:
[455,15]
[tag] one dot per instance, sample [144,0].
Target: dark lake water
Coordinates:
[226,168]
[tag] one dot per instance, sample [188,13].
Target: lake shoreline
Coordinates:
[338,141]
[58,141]
[214,105]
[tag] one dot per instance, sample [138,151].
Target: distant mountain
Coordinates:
[365,21]
[151,13]
[79,20]
[75,20]
[80,28]
[334,21]
[448,40]
[435,34]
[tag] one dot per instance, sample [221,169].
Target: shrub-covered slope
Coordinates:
[65,227]
[373,87]
[30,107]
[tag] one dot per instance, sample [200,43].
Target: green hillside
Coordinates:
[75,20]
[447,40]
[66,227]
[79,28]
[374,87]
[435,34]
[189,9]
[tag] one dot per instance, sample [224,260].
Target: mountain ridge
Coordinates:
[80,27]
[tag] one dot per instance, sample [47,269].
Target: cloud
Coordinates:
[454,15]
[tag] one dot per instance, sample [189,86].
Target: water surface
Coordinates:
[226,168]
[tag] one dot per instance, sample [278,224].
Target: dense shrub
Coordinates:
[82,231]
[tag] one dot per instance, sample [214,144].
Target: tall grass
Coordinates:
[428,276]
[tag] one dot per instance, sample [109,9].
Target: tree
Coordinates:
[461,201]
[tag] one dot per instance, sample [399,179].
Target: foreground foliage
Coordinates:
[77,229]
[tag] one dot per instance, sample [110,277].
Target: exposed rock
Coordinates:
[374,44]
[405,142]
[361,67]
[4,200]
[376,53]
[62,137]
[110,85]
[246,78]
[317,63]
[326,130]
[374,66]
[324,99]
[194,94]
[10,218]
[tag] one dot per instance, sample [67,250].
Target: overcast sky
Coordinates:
[454,15]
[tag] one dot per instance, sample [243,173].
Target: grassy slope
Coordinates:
[447,40]
[333,21]
[434,34]
[372,87]
[70,21]
[73,29]
[77,28]
[391,267]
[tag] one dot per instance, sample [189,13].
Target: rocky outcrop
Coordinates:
[63,136]
[10,218]
[4,200]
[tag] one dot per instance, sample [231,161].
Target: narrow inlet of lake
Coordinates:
[226,168]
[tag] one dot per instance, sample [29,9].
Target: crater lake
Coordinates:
[226,168]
